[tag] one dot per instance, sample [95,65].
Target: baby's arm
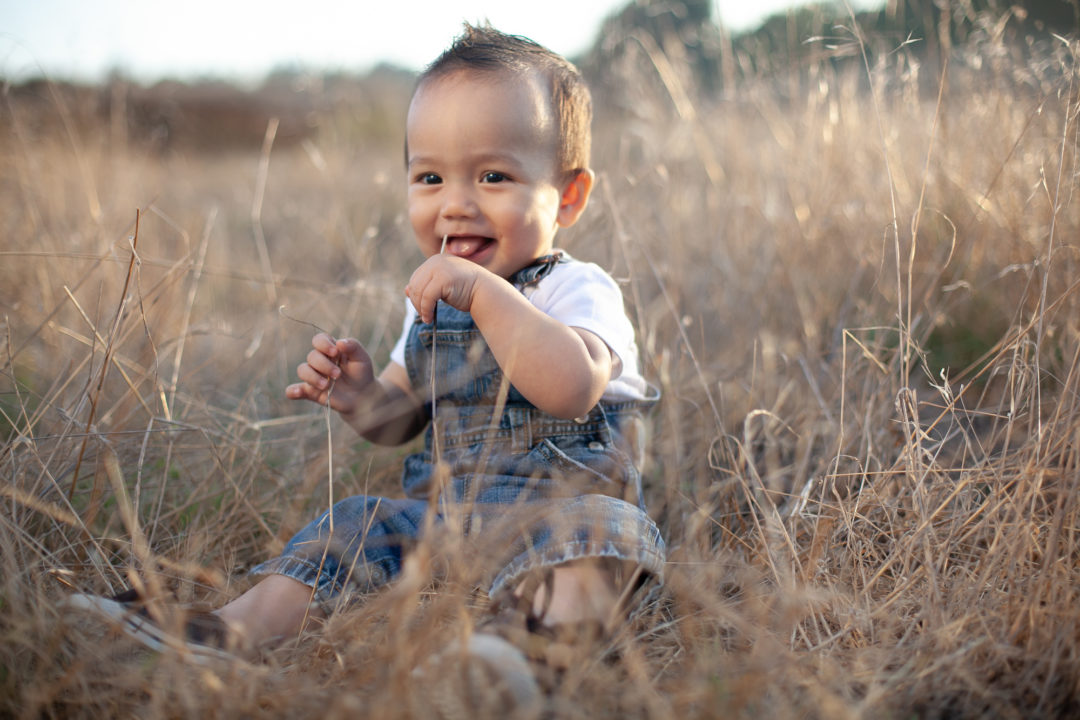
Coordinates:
[381,409]
[560,369]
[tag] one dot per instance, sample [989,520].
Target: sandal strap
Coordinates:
[203,632]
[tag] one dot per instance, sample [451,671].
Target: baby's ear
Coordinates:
[575,196]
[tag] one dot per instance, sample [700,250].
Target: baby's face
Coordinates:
[482,169]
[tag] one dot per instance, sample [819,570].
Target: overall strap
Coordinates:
[538,270]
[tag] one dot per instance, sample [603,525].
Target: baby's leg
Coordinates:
[616,547]
[585,590]
[358,544]
[276,607]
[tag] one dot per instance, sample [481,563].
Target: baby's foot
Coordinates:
[199,633]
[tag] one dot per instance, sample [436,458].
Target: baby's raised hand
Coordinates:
[340,370]
[447,278]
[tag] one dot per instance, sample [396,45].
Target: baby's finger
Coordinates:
[351,349]
[354,362]
[418,284]
[304,391]
[313,377]
[429,300]
[325,344]
[323,364]
[424,298]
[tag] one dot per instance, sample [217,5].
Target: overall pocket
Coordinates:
[592,467]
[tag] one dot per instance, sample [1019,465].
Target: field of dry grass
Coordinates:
[858,288]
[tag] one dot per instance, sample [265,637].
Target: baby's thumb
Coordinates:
[351,351]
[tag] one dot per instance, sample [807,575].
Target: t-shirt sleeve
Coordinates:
[582,295]
[397,354]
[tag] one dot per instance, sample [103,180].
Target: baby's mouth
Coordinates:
[466,246]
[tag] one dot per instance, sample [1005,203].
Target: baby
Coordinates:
[518,360]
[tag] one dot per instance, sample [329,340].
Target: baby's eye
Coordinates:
[428,179]
[493,177]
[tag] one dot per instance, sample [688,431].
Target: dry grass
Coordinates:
[858,295]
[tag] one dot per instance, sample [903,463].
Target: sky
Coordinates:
[244,39]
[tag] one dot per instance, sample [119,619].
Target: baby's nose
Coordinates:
[458,201]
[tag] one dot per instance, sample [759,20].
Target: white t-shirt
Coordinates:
[581,295]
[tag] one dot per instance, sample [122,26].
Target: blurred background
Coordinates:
[244,40]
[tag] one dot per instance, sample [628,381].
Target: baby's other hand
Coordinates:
[338,370]
[447,278]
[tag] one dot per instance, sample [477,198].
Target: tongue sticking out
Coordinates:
[463,247]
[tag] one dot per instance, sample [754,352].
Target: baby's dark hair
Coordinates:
[484,49]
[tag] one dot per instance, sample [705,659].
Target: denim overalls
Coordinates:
[524,489]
